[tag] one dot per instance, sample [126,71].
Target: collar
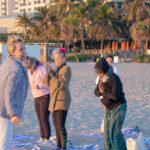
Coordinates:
[107,75]
[16,59]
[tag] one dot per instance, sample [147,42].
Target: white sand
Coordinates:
[86,111]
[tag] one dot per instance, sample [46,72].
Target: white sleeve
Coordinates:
[116,70]
[97,80]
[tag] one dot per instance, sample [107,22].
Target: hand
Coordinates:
[15,120]
[48,67]
[104,107]
[101,88]
[35,87]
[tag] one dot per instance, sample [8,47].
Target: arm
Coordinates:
[46,81]
[116,90]
[64,78]
[97,91]
[44,77]
[10,89]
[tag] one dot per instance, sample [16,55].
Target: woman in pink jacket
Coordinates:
[41,94]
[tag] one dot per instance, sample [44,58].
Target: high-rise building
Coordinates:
[28,5]
[6,7]
[119,4]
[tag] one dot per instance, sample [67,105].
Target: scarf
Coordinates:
[107,75]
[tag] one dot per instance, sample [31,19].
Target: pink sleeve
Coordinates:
[43,72]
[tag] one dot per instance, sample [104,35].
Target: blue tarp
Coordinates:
[26,141]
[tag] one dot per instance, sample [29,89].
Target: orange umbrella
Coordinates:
[146,44]
[121,45]
[113,45]
[132,45]
[116,46]
[127,45]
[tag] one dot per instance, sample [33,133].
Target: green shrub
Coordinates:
[71,57]
[141,59]
[146,59]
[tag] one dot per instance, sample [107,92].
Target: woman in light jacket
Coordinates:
[41,94]
[58,80]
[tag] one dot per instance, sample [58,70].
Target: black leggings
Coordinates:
[41,108]
[59,119]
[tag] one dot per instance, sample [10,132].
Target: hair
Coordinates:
[109,56]
[31,62]
[12,39]
[57,51]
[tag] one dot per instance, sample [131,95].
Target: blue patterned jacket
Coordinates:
[13,87]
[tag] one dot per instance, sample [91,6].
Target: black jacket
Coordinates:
[113,92]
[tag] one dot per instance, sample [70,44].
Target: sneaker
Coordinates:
[41,140]
[52,138]
[47,140]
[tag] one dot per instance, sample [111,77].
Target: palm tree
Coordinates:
[104,23]
[140,32]
[34,33]
[137,10]
[80,13]
[70,29]
[24,22]
[45,19]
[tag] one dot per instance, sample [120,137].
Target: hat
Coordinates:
[62,50]
[101,66]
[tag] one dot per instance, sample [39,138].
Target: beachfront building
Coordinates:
[6,7]
[118,4]
[8,24]
[29,6]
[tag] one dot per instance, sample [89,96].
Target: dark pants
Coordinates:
[41,108]
[59,119]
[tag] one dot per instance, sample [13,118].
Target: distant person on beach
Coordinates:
[109,59]
[13,90]
[111,90]
[58,80]
[36,73]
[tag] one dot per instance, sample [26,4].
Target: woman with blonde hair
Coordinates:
[13,89]
[58,80]
[36,73]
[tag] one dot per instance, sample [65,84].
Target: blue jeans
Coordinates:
[113,121]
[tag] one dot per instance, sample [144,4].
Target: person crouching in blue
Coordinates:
[111,89]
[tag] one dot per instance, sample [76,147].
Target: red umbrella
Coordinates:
[146,44]
[113,45]
[116,46]
[123,43]
[132,45]
[127,45]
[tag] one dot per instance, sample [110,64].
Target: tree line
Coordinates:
[93,20]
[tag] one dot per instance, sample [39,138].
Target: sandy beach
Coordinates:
[86,112]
